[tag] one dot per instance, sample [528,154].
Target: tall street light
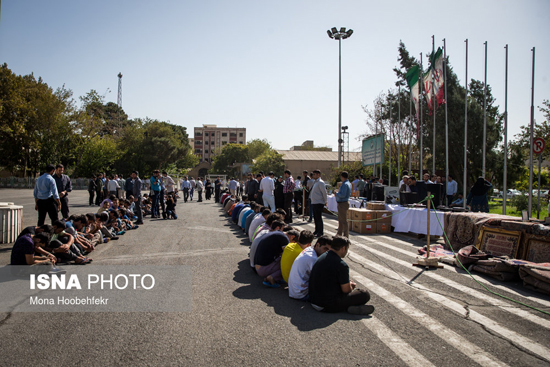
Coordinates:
[339,35]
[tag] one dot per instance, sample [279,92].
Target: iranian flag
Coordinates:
[437,72]
[412,81]
[428,85]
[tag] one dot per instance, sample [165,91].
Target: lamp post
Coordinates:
[339,35]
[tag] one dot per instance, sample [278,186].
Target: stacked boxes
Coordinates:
[370,221]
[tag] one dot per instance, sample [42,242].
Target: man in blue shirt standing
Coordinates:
[342,199]
[46,197]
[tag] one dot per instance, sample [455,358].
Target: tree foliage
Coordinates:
[39,126]
[257,147]
[230,154]
[270,161]
[385,116]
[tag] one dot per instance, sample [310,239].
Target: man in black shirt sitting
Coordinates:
[330,288]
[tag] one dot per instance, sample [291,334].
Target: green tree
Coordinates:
[34,128]
[542,130]
[257,147]
[269,161]
[229,155]
[99,154]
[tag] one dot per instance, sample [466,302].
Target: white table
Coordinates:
[333,206]
[415,220]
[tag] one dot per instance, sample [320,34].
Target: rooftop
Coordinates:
[316,155]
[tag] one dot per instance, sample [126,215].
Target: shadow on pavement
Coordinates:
[300,313]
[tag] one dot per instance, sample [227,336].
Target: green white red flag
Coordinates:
[412,81]
[437,72]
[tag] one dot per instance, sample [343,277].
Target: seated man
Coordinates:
[298,280]
[405,185]
[412,184]
[262,230]
[293,249]
[24,248]
[62,246]
[458,202]
[257,222]
[267,259]
[36,230]
[330,288]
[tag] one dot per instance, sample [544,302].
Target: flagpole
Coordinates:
[531,135]
[505,178]
[410,145]
[420,83]
[484,114]
[389,141]
[433,104]
[375,142]
[465,179]
[446,121]
[399,144]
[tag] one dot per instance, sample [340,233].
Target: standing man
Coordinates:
[259,194]
[46,197]
[113,186]
[155,188]
[200,187]
[361,185]
[452,188]
[192,190]
[129,186]
[267,186]
[342,200]
[318,198]
[136,192]
[252,187]
[217,189]
[91,189]
[99,189]
[168,183]
[288,192]
[233,186]
[63,184]
[185,187]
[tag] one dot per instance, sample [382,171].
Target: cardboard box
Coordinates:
[364,227]
[356,194]
[376,205]
[383,227]
[363,214]
[350,212]
[383,216]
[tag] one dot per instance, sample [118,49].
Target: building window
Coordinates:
[206,151]
[198,151]
[224,142]
[224,134]
[198,133]
[233,135]
[240,135]
[241,142]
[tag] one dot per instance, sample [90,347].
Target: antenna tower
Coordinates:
[119,100]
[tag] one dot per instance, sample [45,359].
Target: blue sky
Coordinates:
[269,66]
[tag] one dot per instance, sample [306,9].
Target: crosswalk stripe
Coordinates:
[402,349]
[467,290]
[410,254]
[452,338]
[519,340]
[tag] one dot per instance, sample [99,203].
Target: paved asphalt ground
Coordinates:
[439,318]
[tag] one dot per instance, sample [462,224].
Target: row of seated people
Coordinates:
[283,255]
[73,240]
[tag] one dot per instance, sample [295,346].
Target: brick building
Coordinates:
[209,139]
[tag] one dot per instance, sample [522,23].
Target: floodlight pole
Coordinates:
[339,35]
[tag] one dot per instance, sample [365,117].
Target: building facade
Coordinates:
[210,139]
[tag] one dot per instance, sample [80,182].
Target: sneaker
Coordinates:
[361,310]
[57,271]
[105,240]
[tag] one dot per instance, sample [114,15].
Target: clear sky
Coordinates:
[269,66]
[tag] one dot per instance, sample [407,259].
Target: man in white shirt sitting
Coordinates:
[298,280]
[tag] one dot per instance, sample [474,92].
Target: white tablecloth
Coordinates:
[333,206]
[415,220]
